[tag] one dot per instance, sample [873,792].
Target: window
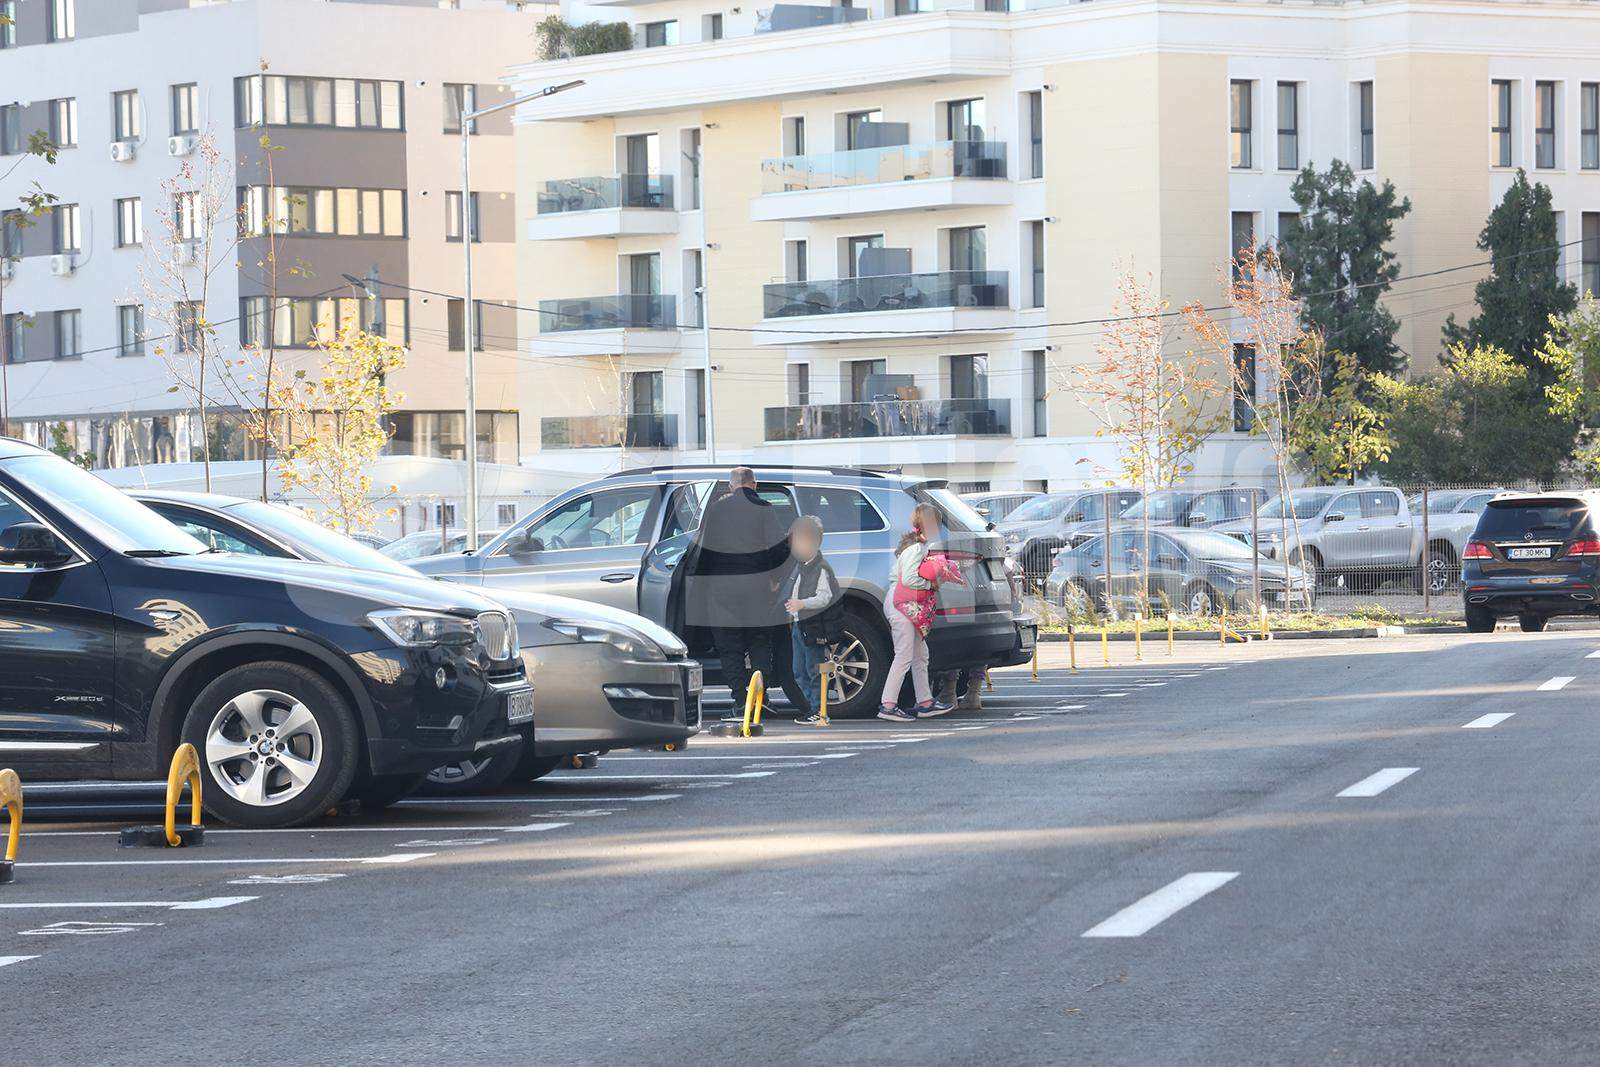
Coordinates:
[63,23]
[695,390]
[66,230]
[185,108]
[1244,388]
[328,212]
[125,120]
[297,321]
[605,519]
[186,215]
[714,27]
[10,129]
[799,375]
[1288,221]
[1500,132]
[130,330]
[795,265]
[1379,505]
[859,129]
[969,377]
[1589,108]
[11,233]
[1544,130]
[691,166]
[130,222]
[452,216]
[1035,108]
[968,249]
[459,99]
[1242,237]
[794,136]
[1240,124]
[64,122]
[1365,147]
[643,273]
[1036,262]
[187,325]
[1039,373]
[456,325]
[16,331]
[69,334]
[841,510]
[694,286]
[855,249]
[964,120]
[8,27]
[1288,125]
[657,34]
[860,373]
[277,100]
[1591,253]
[505,514]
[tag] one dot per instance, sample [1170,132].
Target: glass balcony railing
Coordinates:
[593,194]
[623,311]
[610,431]
[889,418]
[886,292]
[871,166]
[781,17]
[919,7]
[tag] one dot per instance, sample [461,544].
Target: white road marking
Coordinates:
[1374,784]
[1593,655]
[6,961]
[778,766]
[447,801]
[816,756]
[588,777]
[1113,694]
[1557,683]
[240,861]
[208,904]
[1147,913]
[80,928]
[1071,707]
[310,830]
[398,857]
[212,903]
[1484,722]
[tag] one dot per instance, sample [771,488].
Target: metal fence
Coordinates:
[1386,551]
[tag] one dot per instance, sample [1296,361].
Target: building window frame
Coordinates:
[62,23]
[460,98]
[63,112]
[1547,118]
[127,123]
[1039,375]
[662,33]
[69,333]
[1033,103]
[346,103]
[130,330]
[1366,125]
[66,229]
[1036,263]
[184,100]
[130,222]
[452,216]
[1502,131]
[1241,123]
[1288,125]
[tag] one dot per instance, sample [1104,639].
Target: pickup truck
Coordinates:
[1364,535]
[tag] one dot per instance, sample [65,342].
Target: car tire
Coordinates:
[860,665]
[385,790]
[531,768]
[1533,624]
[471,777]
[1309,564]
[1202,599]
[294,711]
[1440,572]
[1480,620]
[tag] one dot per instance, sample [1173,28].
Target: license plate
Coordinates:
[1524,552]
[519,707]
[1028,635]
[694,678]
[997,569]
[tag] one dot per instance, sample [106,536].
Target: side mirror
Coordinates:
[30,544]
[1197,518]
[1334,516]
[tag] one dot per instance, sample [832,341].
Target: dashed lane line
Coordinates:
[1374,784]
[6,961]
[1561,681]
[1148,912]
[1485,722]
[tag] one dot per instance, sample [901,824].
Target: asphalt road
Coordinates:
[1303,851]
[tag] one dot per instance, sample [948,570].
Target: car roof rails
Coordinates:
[849,472]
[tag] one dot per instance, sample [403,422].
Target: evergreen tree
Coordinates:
[1339,259]
[1524,287]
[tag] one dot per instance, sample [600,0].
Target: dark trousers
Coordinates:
[734,643]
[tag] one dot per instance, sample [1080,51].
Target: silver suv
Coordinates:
[619,540]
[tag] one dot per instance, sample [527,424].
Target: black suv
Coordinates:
[298,683]
[1532,555]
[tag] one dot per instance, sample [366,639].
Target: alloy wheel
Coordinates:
[1439,577]
[851,668]
[459,773]
[1201,602]
[263,747]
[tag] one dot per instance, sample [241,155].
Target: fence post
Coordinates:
[1072,647]
[1255,551]
[1427,550]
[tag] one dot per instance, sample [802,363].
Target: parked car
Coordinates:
[1354,535]
[1197,572]
[618,541]
[1195,508]
[1036,530]
[432,543]
[297,683]
[1535,556]
[604,679]
[1452,516]
[996,506]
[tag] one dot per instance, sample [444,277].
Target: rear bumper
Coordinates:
[1574,598]
[988,640]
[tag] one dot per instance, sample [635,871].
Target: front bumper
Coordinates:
[590,699]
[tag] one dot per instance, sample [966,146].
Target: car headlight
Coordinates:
[424,629]
[629,642]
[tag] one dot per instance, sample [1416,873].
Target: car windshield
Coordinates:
[314,541]
[1039,509]
[423,543]
[1541,520]
[104,512]
[956,512]
[1307,505]
[1160,507]
[1202,544]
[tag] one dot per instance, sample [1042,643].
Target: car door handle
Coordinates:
[619,576]
[1362,529]
[1402,526]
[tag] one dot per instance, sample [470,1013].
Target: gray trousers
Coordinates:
[910,654]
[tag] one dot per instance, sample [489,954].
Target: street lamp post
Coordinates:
[468,118]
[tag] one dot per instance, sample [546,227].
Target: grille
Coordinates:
[499,634]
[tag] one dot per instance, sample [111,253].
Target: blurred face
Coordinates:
[805,545]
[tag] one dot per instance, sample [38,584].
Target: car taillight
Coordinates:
[1584,548]
[1476,550]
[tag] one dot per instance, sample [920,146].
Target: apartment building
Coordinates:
[904,218]
[361,103]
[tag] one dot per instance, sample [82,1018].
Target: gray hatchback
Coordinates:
[618,541]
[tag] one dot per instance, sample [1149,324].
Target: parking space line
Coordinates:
[1484,722]
[1555,684]
[685,756]
[1071,707]
[308,830]
[1374,784]
[448,801]
[585,776]
[208,904]
[1148,912]
[1593,655]
[401,857]
[6,961]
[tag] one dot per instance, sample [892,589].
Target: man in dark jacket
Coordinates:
[733,567]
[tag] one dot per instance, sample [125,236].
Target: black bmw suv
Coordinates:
[298,683]
[1532,555]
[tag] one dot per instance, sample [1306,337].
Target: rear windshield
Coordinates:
[957,513]
[1555,520]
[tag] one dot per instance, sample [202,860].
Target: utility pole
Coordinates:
[5,349]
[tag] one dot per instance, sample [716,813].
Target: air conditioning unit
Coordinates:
[183,252]
[63,264]
[123,151]
[181,144]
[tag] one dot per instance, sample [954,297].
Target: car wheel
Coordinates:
[1201,599]
[860,664]
[1533,624]
[278,744]
[471,777]
[1310,565]
[1479,620]
[384,790]
[1441,571]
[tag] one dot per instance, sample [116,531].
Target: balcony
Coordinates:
[782,17]
[871,181]
[934,304]
[889,418]
[607,325]
[643,431]
[619,206]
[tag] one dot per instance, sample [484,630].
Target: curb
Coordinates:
[1157,634]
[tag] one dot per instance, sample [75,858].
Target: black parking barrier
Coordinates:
[185,767]
[11,800]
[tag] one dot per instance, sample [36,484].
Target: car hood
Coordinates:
[533,610]
[382,589]
[1022,530]
[1271,570]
